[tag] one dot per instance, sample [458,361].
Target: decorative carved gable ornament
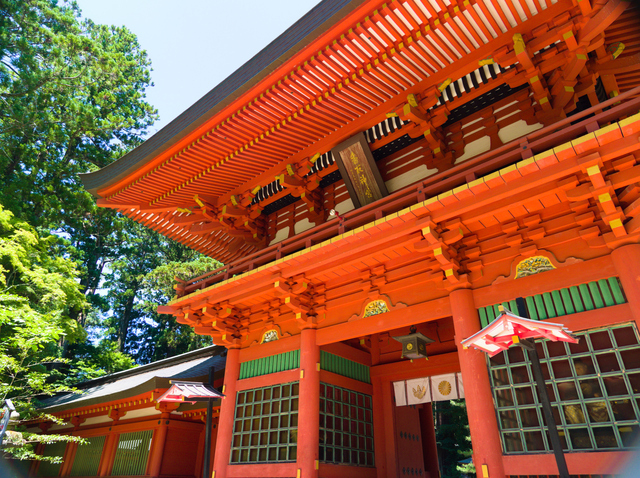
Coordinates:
[269,336]
[379,304]
[374,308]
[529,264]
[533,265]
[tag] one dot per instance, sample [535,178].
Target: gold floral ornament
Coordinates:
[444,387]
[533,265]
[420,392]
[375,307]
[269,336]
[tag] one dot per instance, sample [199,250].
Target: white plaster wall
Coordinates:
[479,146]
[516,130]
[410,177]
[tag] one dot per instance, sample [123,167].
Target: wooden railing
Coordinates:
[534,143]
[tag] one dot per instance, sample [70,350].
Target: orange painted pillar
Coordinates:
[626,260]
[67,459]
[378,428]
[200,455]
[390,438]
[309,405]
[227,412]
[108,453]
[429,444]
[485,437]
[157,446]
[39,449]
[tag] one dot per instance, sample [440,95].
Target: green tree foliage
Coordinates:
[452,437]
[71,100]
[140,279]
[38,288]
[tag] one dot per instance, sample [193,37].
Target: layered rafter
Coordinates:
[372,64]
[575,200]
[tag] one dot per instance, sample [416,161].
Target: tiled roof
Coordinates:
[140,379]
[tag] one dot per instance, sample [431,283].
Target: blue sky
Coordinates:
[195,44]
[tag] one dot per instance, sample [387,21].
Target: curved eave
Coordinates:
[317,21]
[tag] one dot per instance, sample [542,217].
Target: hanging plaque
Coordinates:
[359,171]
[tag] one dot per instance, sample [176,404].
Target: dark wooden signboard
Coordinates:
[359,171]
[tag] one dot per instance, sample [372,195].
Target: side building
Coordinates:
[128,432]
[387,169]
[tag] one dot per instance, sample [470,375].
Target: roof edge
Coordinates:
[269,59]
[203,352]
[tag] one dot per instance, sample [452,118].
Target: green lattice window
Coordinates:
[47,469]
[346,426]
[594,388]
[580,298]
[87,457]
[132,453]
[266,425]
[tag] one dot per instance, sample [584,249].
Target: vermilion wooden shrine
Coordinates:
[472,152]
[129,430]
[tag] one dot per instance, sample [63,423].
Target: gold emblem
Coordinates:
[375,307]
[444,387]
[533,265]
[409,346]
[420,392]
[269,336]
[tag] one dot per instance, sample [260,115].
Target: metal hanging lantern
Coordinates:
[414,345]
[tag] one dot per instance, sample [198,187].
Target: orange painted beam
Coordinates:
[605,317]
[574,274]
[268,380]
[597,463]
[416,314]
[275,470]
[345,382]
[407,369]
[282,345]
[343,471]
[345,351]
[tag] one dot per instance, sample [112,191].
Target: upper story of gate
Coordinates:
[363,105]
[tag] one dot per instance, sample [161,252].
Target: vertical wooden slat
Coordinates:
[548,304]
[513,306]
[567,302]
[596,295]
[616,289]
[132,453]
[586,296]
[577,298]
[531,308]
[557,302]
[542,313]
[345,367]
[483,317]
[46,469]
[87,457]
[607,296]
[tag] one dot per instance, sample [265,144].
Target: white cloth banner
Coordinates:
[418,391]
[444,387]
[401,393]
[460,386]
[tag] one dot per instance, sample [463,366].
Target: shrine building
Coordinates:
[404,168]
[128,430]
